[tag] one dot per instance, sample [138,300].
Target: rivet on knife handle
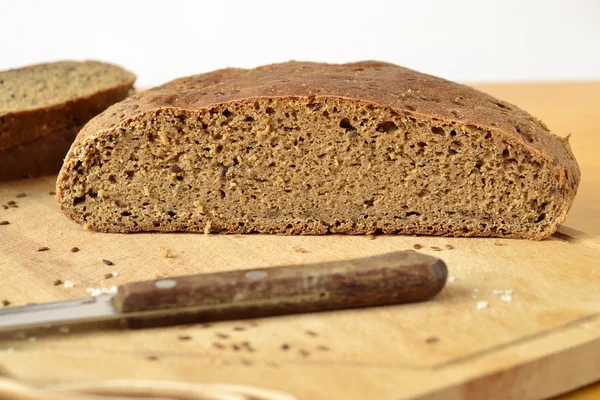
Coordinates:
[391,278]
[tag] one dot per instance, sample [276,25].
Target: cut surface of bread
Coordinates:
[309,148]
[52,101]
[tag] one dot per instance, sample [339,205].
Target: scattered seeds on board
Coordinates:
[152,358]
[246,345]
[218,345]
[5,206]
[482,304]
[285,346]
[21,195]
[239,328]
[449,247]
[12,203]
[323,348]
[451,278]
[5,303]
[51,193]
[435,248]
[68,284]
[57,282]
[303,352]
[298,249]
[310,333]
[108,262]
[432,339]
[4,222]
[235,347]
[110,275]
[417,246]
[184,337]
[222,335]
[74,249]
[44,248]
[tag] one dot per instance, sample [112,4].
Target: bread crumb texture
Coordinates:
[308,148]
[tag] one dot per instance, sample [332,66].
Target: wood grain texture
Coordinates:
[391,278]
[545,341]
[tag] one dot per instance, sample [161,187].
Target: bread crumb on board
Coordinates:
[165,253]
[207,227]
[5,303]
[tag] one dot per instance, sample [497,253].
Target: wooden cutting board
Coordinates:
[545,341]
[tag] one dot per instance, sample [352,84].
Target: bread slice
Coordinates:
[307,148]
[42,107]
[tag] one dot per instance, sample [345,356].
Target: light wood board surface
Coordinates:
[544,342]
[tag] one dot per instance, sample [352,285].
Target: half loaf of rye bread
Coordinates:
[308,148]
[43,107]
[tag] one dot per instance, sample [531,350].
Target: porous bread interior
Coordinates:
[47,84]
[302,166]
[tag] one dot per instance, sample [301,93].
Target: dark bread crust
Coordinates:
[400,90]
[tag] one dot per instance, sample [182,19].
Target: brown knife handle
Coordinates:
[398,277]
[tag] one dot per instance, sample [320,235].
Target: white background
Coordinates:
[464,40]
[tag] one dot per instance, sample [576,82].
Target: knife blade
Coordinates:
[392,278]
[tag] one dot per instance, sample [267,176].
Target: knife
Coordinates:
[392,278]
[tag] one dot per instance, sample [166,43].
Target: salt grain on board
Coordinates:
[506,297]
[103,290]
[482,304]
[68,284]
[451,278]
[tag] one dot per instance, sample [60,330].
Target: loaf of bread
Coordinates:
[43,107]
[308,148]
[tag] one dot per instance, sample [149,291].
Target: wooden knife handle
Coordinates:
[398,277]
